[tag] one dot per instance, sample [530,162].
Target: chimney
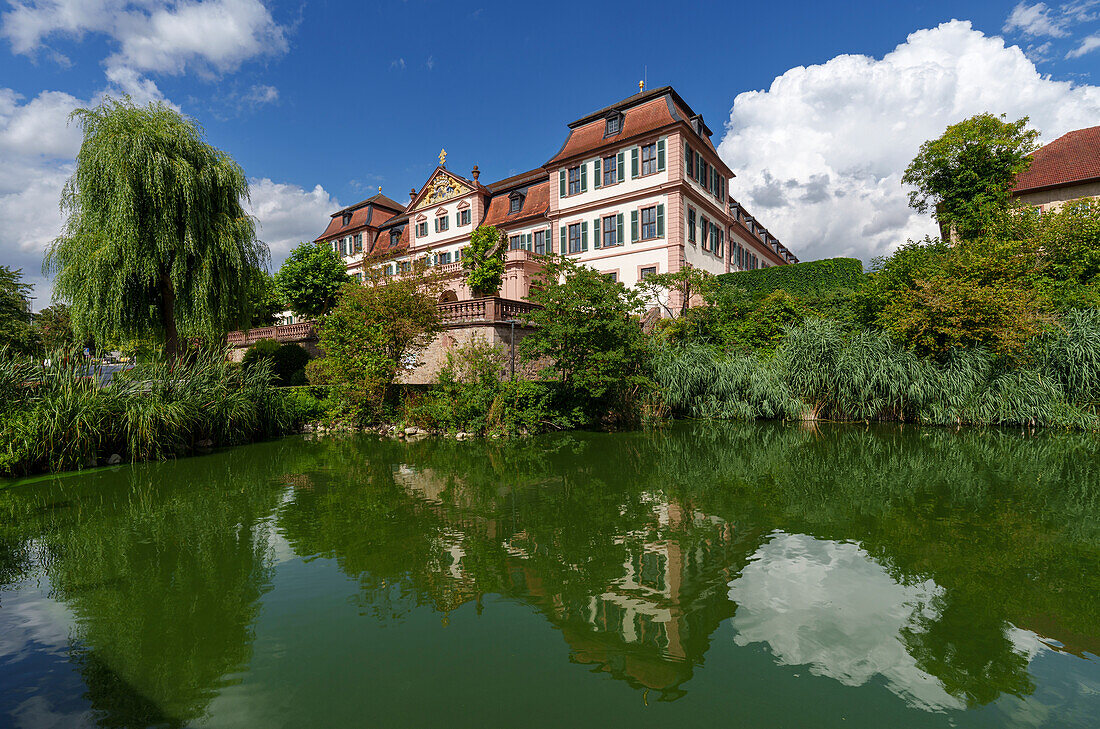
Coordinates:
[476,173]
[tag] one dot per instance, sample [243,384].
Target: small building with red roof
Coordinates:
[1065,170]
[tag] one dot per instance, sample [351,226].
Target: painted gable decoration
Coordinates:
[441,188]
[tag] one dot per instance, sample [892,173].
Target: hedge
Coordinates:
[812,278]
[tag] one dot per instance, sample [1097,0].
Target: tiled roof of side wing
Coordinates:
[536,203]
[1071,158]
[648,116]
[524,178]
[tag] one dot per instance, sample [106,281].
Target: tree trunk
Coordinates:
[168,318]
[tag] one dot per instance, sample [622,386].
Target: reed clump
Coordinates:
[823,371]
[61,416]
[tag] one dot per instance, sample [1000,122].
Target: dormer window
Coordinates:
[347,218]
[515,202]
[614,124]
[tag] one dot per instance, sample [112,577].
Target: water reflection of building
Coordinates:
[647,621]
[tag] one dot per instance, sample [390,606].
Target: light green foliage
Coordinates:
[308,404]
[310,279]
[588,330]
[263,304]
[674,293]
[57,418]
[15,317]
[483,261]
[157,242]
[809,279]
[374,332]
[53,328]
[967,174]
[823,371]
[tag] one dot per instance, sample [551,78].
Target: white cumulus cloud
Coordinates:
[1035,20]
[288,214]
[820,154]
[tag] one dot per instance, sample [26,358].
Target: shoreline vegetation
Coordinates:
[997,324]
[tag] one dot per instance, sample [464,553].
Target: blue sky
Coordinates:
[816,105]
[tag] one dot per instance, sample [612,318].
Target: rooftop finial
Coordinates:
[442,158]
[641,86]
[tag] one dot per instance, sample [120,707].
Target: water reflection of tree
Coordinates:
[1004,524]
[162,567]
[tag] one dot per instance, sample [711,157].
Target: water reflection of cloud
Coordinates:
[828,605]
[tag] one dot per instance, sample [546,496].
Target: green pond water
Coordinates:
[756,575]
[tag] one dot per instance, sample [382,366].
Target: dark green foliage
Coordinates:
[308,404]
[286,361]
[53,328]
[472,395]
[588,332]
[15,310]
[56,418]
[813,278]
[310,279]
[157,242]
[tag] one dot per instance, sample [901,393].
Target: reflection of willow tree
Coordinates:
[532,523]
[1007,525]
[162,568]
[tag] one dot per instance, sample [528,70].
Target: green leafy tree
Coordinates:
[54,328]
[587,329]
[15,310]
[374,332]
[310,279]
[675,293]
[263,305]
[967,174]
[157,241]
[483,261]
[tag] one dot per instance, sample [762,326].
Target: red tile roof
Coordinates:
[1071,158]
[382,244]
[372,213]
[646,117]
[536,204]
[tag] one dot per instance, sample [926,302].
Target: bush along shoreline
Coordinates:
[60,417]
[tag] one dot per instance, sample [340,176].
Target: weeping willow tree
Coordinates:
[157,242]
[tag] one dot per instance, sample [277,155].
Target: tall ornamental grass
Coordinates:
[820,371]
[59,417]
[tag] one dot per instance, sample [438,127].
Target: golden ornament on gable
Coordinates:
[443,187]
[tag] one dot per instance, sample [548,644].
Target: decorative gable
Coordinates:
[442,187]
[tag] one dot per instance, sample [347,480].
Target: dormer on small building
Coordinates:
[515,202]
[613,124]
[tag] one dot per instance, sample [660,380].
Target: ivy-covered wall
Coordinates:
[801,279]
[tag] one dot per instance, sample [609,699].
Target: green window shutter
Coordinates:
[620,168]
[584,177]
[633,163]
[561,184]
[660,155]
[597,233]
[596,173]
[527,243]
[660,221]
[619,229]
[458,218]
[563,248]
[633,226]
[584,235]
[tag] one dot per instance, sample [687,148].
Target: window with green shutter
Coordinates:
[561,184]
[596,176]
[584,177]
[660,155]
[633,226]
[633,162]
[562,240]
[619,240]
[596,234]
[584,235]
[621,166]
[690,157]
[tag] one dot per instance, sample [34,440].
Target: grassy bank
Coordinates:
[57,418]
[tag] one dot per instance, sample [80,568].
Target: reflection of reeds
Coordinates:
[821,372]
[58,417]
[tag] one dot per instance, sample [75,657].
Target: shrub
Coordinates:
[813,278]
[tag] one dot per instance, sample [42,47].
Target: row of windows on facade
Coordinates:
[610,169]
[704,173]
[443,223]
[440,258]
[711,237]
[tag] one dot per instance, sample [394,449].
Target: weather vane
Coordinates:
[442,158]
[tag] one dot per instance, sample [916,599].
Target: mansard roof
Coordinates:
[536,203]
[1070,159]
[369,213]
[528,177]
[642,113]
[382,246]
